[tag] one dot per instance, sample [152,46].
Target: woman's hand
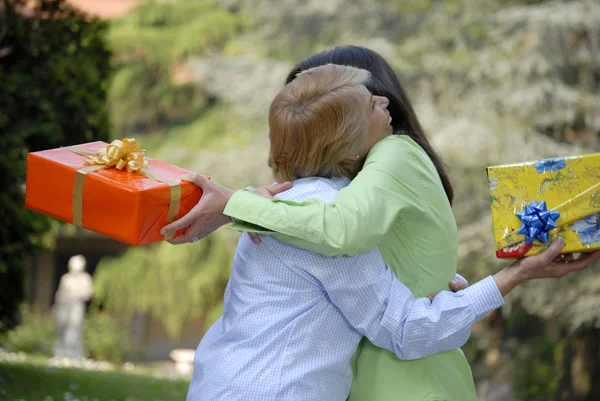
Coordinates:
[548,264]
[207,215]
[268,191]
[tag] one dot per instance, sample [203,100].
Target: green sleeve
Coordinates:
[360,216]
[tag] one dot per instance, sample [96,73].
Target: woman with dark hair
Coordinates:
[386,84]
[400,203]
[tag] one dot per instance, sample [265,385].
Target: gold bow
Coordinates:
[126,153]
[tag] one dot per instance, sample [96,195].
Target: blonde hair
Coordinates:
[318,123]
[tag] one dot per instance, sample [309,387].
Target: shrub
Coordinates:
[105,338]
[36,334]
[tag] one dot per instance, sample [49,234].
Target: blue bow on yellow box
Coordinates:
[534,202]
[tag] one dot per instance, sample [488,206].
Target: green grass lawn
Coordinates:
[31,382]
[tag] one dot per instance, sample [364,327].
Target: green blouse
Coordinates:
[396,203]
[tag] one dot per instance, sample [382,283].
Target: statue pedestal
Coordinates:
[184,360]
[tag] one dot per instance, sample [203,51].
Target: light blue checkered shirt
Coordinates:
[293,318]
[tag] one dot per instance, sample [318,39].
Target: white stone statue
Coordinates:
[74,290]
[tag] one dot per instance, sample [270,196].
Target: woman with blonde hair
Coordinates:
[400,202]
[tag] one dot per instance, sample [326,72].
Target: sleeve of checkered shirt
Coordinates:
[384,310]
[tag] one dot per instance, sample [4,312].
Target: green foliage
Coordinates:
[23,381]
[215,313]
[215,129]
[150,44]
[535,373]
[410,7]
[106,338]
[163,33]
[142,98]
[172,283]
[54,69]
[35,335]
[12,290]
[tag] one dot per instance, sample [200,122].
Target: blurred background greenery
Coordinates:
[493,81]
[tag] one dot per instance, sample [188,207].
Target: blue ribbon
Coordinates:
[537,222]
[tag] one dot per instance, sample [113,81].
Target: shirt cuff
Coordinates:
[242,226]
[484,296]
[461,278]
[246,206]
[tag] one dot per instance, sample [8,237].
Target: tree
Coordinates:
[151,45]
[54,70]
[152,95]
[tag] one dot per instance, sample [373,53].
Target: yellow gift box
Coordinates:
[534,202]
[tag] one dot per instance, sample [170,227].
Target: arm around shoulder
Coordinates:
[356,221]
[384,310]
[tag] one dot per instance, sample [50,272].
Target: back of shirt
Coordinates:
[280,337]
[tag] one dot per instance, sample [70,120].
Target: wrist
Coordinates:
[224,195]
[225,219]
[227,194]
[508,278]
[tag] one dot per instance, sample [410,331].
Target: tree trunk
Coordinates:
[580,379]
[495,323]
